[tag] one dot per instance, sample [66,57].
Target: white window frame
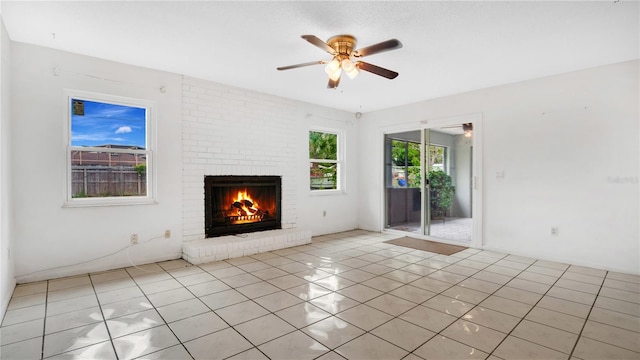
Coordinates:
[150,135]
[445,157]
[340,168]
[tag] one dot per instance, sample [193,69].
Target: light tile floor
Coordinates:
[346,295]
[452,228]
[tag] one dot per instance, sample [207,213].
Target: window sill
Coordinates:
[93,202]
[327,192]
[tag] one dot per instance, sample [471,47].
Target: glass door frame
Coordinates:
[425,217]
[477,240]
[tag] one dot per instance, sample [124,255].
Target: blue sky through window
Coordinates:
[108,124]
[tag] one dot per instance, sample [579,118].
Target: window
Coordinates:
[324,160]
[405,158]
[438,158]
[109,150]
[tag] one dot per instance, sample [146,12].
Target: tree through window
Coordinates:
[405,156]
[324,160]
[438,157]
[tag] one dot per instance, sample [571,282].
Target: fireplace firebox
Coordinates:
[241,204]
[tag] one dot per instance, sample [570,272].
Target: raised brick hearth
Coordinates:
[227,247]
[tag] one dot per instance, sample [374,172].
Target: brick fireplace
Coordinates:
[236,133]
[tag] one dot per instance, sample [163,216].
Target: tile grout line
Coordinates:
[44,322]
[384,293]
[104,319]
[307,301]
[364,303]
[249,299]
[331,291]
[621,300]
[597,296]
[146,296]
[439,333]
[586,320]
[527,313]
[387,292]
[284,290]
[231,265]
[221,318]
[587,316]
[417,305]
[476,305]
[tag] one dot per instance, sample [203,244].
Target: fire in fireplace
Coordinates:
[241,204]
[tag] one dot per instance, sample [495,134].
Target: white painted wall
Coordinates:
[232,131]
[569,149]
[329,213]
[7,280]
[48,238]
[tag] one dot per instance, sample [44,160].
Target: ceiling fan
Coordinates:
[342,47]
[467,128]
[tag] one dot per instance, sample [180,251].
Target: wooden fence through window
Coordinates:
[103,181]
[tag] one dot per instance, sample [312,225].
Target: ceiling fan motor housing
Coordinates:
[343,45]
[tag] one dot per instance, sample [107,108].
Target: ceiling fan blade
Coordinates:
[378,48]
[376,70]
[333,84]
[302,65]
[319,43]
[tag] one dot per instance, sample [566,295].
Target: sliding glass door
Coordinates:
[428,175]
[403,181]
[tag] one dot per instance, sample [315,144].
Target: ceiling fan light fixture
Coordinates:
[353,73]
[349,68]
[336,74]
[332,66]
[468,130]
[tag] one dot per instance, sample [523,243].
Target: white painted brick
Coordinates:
[250,251]
[200,251]
[235,254]
[213,117]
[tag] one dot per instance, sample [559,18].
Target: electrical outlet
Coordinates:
[324,213]
[134,239]
[555,231]
[167,234]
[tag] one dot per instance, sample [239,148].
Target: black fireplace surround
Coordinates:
[241,204]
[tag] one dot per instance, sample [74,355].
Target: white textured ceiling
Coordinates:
[449,47]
